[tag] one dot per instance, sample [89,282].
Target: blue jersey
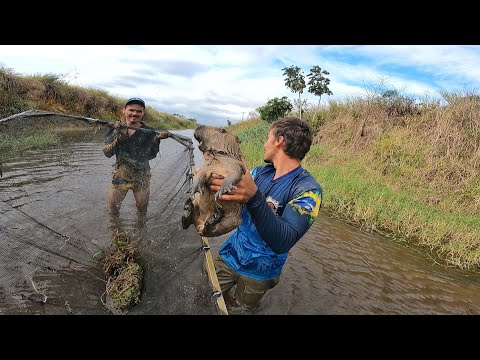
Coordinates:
[274,219]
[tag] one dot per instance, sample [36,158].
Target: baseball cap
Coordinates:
[135,100]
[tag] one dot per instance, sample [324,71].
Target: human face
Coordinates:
[133,114]
[269,148]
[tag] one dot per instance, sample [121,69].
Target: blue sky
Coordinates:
[213,83]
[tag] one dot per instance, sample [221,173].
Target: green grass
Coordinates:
[252,135]
[22,142]
[359,194]
[375,200]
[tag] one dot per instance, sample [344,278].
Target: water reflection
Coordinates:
[338,269]
[334,269]
[64,191]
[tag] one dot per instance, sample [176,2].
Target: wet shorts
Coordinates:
[140,181]
[247,291]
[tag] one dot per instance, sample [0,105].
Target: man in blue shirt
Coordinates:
[282,200]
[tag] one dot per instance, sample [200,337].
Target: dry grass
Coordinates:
[438,149]
[407,169]
[430,156]
[50,92]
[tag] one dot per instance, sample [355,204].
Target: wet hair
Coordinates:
[297,135]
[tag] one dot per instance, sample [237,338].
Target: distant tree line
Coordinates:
[295,81]
[184,117]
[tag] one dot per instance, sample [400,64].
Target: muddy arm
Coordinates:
[110,145]
[154,149]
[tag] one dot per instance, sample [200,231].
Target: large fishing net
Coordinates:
[55,229]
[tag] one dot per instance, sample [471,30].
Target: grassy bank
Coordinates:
[412,174]
[13,144]
[49,134]
[50,92]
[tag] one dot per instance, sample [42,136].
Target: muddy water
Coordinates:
[338,269]
[334,269]
[54,230]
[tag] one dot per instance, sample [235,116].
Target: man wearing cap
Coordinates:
[133,150]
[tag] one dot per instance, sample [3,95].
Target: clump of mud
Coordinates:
[124,275]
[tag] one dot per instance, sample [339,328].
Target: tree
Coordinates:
[275,108]
[397,104]
[252,114]
[318,84]
[304,104]
[295,81]
[229,123]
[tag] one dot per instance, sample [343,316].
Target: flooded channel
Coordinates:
[61,194]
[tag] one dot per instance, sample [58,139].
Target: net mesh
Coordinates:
[55,228]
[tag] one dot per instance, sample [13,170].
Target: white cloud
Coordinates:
[216,83]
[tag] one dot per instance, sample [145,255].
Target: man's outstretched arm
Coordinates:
[110,143]
[114,135]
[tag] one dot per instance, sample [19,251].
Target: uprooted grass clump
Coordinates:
[124,275]
[125,289]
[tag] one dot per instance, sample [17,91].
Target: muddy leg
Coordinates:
[115,198]
[210,223]
[226,277]
[141,200]
[187,218]
[198,184]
